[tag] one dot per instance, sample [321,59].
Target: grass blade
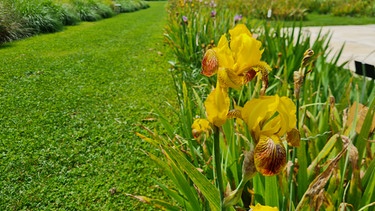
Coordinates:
[202,183]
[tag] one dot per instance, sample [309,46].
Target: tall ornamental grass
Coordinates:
[39,16]
[266,120]
[11,24]
[22,18]
[131,5]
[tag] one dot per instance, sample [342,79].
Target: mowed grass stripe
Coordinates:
[70,103]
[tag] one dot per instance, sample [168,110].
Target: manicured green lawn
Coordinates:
[70,104]
[314,19]
[330,20]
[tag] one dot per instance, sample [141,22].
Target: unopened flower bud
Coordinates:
[306,57]
[298,80]
[210,63]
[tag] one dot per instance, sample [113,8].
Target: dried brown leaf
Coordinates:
[356,116]
[316,189]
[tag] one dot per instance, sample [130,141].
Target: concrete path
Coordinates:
[359,42]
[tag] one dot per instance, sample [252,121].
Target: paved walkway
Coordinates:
[359,42]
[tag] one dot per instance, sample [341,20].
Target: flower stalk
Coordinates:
[298,78]
[217,159]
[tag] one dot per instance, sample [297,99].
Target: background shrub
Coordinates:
[69,15]
[281,10]
[20,18]
[131,6]
[11,24]
[341,7]
[39,16]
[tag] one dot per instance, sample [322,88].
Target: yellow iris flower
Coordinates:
[259,207]
[269,118]
[201,126]
[269,115]
[236,61]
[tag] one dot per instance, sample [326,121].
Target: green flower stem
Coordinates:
[290,179]
[217,159]
[294,153]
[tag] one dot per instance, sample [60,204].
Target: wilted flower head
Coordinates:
[213,13]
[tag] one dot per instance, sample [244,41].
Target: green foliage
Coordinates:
[334,161]
[342,7]
[131,5]
[70,105]
[40,17]
[69,15]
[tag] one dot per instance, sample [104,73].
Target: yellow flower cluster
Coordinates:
[268,118]
[236,62]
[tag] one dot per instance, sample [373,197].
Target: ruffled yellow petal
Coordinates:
[259,207]
[224,53]
[227,78]
[257,112]
[247,53]
[288,110]
[238,30]
[269,115]
[269,155]
[217,106]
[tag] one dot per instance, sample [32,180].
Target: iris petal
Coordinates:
[269,155]
[217,106]
[269,115]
